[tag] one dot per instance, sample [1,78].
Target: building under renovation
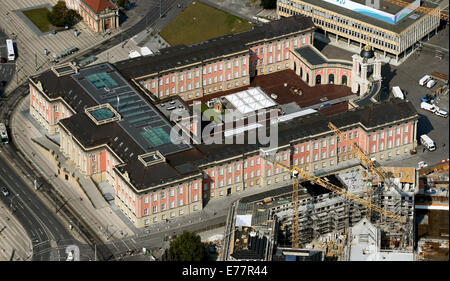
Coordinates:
[325,219]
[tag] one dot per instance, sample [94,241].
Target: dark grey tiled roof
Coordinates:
[183,55]
[369,116]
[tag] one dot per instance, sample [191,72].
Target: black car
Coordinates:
[2,60]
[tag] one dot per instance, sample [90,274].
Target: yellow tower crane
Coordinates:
[365,159]
[297,173]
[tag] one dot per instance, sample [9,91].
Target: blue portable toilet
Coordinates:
[53,32]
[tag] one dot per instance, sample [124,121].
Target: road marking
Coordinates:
[125,244]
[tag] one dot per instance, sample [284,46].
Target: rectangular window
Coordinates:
[180,190]
[180,202]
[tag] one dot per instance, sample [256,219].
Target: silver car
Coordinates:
[5,191]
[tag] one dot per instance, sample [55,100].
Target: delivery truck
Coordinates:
[427,142]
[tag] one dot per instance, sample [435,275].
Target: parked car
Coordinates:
[2,60]
[5,191]
[441,113]
[430,84]
[421,165]
[427,98]
[424,80]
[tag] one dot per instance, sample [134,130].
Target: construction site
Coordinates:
[365,212]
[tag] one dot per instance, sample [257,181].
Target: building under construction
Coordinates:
[324,217]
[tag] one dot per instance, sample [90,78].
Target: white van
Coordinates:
[441,113]
[424,80]
[429,143]
[398,92]
[428,107]
[430,84]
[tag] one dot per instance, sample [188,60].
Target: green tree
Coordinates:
[269,4]
[187,247]
[61,15]
[122,3]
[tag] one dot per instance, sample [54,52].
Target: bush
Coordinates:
[61,15]
[187,247]
[122,3]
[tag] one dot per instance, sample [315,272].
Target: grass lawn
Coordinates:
[199,22]
[39,18]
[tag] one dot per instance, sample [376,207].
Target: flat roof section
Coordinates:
[397,28]
[274,84]
[250,100]
[311,55]
[101,80]
[141,120]
[102,114]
